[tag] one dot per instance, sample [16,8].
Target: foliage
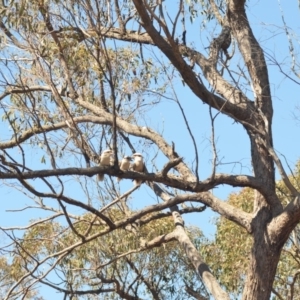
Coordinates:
[95,263]
[79,77]
[231,246]
[228,255]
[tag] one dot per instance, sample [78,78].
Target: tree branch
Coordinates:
[170,180]
[253,55]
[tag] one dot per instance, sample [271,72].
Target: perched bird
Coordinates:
[138,165]
[104,161]
[124,165]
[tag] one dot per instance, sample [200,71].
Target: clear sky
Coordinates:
[232,141]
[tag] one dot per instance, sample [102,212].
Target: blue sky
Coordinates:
[232,141]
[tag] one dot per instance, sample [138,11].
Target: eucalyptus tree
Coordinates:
[228,254]
[79,77]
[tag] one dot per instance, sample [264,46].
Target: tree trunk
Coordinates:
[265,252]
[262,269]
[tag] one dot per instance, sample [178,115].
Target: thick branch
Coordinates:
[280,227]
[175,57]
[170,180]
[208,279]
[253,55]
[238,105]
[169,165]
[235,214]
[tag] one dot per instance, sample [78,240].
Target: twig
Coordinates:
[119,198]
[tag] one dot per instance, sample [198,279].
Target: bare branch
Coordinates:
[170,180]
[169,165]
[125,195]
[193,293]
[252,54]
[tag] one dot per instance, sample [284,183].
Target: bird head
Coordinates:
[129,158]
[106,153]
[137,156]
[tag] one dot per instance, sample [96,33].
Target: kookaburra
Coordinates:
[124,165]
[138,165]
[105,159]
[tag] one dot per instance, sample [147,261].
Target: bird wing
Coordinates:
[138,167]
[142,167]
[133,166]
[105,161]
[124,165]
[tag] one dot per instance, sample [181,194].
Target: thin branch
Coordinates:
[193,293]
[280,167]
[213,143]
[278,295]
[144,279]
[33,224]
[192,137]
[290,41]
[21,178]
[76,292]
[180,8]
[154,243]
[216,12]
[296,274]
[125,195]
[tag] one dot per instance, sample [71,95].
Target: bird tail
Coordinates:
[137,182]
[100,177]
